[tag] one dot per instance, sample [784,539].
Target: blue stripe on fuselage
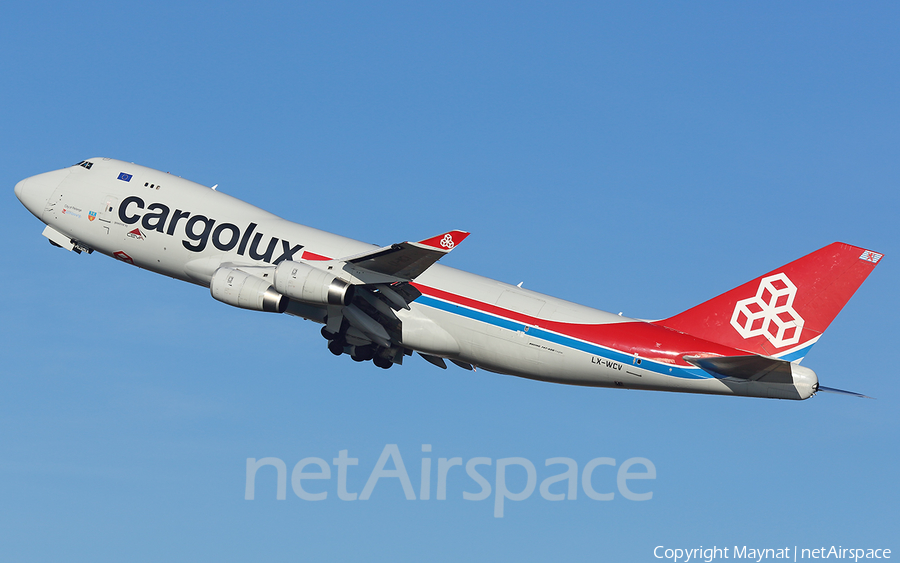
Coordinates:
[797,355]
[607,353]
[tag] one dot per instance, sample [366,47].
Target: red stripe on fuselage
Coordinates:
[312,256]
[647,340]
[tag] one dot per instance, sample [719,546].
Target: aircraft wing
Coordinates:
[381,280]
[407,260]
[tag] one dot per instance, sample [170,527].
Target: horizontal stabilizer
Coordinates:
[407,260]
[750,368]
[842,392]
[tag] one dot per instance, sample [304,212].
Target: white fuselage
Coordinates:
[169,225]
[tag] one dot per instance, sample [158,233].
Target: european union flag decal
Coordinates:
[124,177]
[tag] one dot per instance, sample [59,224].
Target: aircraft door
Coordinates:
[526,352]
[107,214]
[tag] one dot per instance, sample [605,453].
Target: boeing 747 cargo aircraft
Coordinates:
[382,304]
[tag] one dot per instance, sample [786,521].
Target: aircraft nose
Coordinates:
[34,192]
[20,188]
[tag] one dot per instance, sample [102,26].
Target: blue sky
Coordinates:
[637,158]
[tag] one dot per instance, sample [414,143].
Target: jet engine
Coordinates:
[240,289]
[311,285]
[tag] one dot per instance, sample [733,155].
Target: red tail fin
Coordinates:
[784,312]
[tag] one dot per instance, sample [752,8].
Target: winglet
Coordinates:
[444,242]
[407,260]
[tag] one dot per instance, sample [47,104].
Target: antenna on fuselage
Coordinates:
[214,187]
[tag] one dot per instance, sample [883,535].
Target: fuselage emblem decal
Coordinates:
[770,312]
[123,257]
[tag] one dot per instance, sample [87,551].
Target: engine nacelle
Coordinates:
[311,285]
[240,289]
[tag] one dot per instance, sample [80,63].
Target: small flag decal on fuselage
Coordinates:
[871,256]
[124,177]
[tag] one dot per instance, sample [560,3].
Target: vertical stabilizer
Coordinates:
[784,312]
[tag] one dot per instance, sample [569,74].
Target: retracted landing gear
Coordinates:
[363,353]
[382,362]
[338,345]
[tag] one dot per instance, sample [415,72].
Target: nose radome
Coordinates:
[20,188]
[34,192]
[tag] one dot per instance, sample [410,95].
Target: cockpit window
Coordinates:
[85,163]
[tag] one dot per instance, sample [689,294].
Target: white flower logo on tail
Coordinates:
[770,312]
